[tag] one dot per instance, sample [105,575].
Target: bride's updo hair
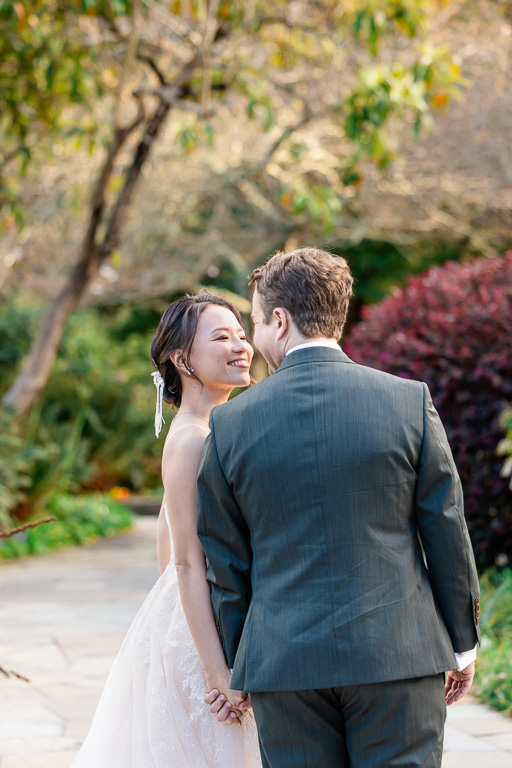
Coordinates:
[176,332]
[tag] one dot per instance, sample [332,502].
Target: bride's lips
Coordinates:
[240,362]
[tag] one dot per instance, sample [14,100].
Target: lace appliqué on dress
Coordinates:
[152,712]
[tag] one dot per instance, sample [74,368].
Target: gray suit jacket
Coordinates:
[314,491]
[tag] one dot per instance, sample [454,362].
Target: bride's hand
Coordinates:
[228,705]
[221,681]
[221,707]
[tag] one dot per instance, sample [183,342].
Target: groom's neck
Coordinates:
[297,338]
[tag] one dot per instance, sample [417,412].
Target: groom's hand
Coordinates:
[458,683]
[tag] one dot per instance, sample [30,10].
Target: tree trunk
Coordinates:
[30,382]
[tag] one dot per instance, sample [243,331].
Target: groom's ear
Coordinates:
[282,318]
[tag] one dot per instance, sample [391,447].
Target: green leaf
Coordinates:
[25,158]
[269,116]
[210,133]
[50,75]
[358,23]
[8,13]
[351,178]
[373,35]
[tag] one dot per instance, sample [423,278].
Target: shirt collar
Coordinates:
[316,343]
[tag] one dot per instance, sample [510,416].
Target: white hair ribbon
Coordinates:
[159,384]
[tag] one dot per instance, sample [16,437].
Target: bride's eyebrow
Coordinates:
[226,330]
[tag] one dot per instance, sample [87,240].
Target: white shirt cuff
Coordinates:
[465,659]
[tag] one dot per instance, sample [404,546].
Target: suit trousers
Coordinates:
[380,725]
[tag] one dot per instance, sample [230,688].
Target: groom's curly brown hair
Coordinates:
[313,285]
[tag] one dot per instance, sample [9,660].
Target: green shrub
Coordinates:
[17,324]
[17,458]
[450,327]
[493,681]
[93,426]
[79,521]
[104,371]
[505,445]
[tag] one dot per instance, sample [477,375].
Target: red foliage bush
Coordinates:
[452,328]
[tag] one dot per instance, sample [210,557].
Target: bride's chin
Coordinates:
[240,379]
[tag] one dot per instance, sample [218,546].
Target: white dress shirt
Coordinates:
[462,659]
[318,343]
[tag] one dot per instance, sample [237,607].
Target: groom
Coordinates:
[329,507]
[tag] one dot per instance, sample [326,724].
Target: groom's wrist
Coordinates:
[466,658]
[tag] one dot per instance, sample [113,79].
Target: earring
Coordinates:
[190,371]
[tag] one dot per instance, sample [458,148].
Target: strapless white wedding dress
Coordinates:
[152,712]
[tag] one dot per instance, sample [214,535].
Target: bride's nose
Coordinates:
[238,345]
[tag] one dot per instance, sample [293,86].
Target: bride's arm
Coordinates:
[163,545]
[180,464]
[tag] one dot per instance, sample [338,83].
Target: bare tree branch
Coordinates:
[153,66]
[127,67]
[11,672]
[26,527]
[175,28]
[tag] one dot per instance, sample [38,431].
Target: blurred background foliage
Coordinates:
[212,134]
[493,682]
[92,427]
[452,328]
[148,147]
[283,105]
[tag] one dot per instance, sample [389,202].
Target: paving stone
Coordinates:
[470,760]
[487,726]
[67,707]
[77,686]
[30,721]
[29,658]
[98,666]
[470,710]
[62,621]
[14,692]
[78,728]
[82,646]
[457,740]
[27,745]
[60,759]
[503,742]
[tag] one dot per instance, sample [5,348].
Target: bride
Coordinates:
[152,713]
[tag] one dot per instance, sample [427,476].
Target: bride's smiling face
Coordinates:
[220,354]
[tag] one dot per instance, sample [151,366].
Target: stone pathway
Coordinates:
[62,619]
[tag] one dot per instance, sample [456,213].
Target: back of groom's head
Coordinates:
[313,285]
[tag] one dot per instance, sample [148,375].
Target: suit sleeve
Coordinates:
[226,541]
[444,534]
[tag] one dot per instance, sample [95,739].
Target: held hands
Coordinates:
[458,683]
[228,711]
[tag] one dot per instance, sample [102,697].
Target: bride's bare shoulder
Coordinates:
[183,446]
